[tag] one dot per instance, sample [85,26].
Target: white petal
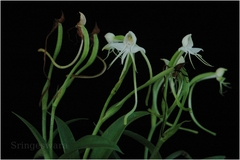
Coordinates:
[125,53]
[195,50]
[183,49]
[136,49]
[83,19]
[119,55]
[109,37]
[187,41]
[130,39]
[191,61]
[190,42]
[165,61]
[106,47]
[181,60]
[133,60]
[220,72]
[118,46]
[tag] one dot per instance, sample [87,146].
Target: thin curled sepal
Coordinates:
[61,19]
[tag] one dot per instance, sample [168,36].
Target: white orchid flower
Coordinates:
[187,48]
[111,38]
[125,47]
[219,76]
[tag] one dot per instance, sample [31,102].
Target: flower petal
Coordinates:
[181,60]
[130,39]
[184,49]
[106,47]
[195,50]
[165,61]
[220,72]
[118,46]
[119,55]
[83,20]
[187,41]
[124,54]
[136,49]
[109,37]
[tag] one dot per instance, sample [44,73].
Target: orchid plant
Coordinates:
[172,83]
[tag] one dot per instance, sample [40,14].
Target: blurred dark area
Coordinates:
[159,27]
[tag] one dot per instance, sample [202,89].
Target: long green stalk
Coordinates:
[45,88]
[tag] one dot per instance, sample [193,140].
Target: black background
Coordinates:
[159,27]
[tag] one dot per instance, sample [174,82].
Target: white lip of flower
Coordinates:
[125,47]
[187,48]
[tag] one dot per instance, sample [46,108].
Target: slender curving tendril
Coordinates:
[59,66]
[96,75]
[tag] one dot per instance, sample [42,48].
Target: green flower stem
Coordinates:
[164,104]
[70,78]
[146,84]
[160,142]
[114,90]
[66,83]
[136,97]
[164,99]
[164,137]
[150,134]
[184,129]
[149,82]
[184,93]
[156,88]
[154,109]
[175,58]
[45,96]
[66,66]
[192,115]
[150,75]
[93,55]
[201,77]
[112,93]
[177,96]
[90,61]
[117,86]
[50,142]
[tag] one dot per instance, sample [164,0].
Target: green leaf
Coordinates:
[91,141]
[39,153]
[179,153]
[114,132]
[68,122]
[171,131]
[216,157]
[143,141]
[66,137]
[38,137]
